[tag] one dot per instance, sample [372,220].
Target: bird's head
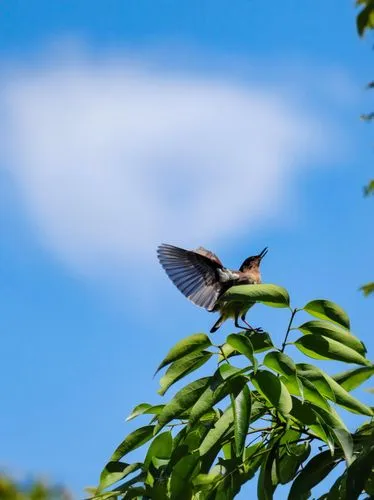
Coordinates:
[254,261]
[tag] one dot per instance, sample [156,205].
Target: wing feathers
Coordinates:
[193,273]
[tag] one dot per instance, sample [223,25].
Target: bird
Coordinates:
[202,278]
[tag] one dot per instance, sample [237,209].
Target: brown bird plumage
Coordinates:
[201,277]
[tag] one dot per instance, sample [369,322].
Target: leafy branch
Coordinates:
[258,411]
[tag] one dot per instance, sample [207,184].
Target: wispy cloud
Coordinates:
[112,157]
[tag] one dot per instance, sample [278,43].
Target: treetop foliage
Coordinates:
[259,413]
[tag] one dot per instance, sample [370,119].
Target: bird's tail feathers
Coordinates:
[217,324]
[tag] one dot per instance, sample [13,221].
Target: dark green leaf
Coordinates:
[271,295]
[273,390]
[182,401]
[180,484]
[217,389]
[183,367]
[313,473]
[325,309]
[334,332]
[243,345]
[265,485]
[365,18]
[196,342]
[215,434]
[133,441]
[320,347]
[290,461]
[242,414]
[359,472]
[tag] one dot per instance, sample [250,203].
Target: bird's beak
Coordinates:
[263,253]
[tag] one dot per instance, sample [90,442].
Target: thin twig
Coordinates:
[294,311]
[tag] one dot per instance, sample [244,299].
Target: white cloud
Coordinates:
[112,158]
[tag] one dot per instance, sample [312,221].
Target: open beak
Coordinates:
[263,253]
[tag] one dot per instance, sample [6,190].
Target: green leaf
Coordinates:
[181,368]
[359,472]
[260,341]
[290,461]
[313,473]
[351,379]
[215,434]
[271,295]
[346,443]
[280,362]
[365,18]
[320,347]
[273,390]
[160,447]
[325,309]
[334,332]
[180,484]
[144,408]
[115,471]
[133,441]
[243,345]
[367,289]
[310,392]
[182,401]
[217,389]
[242,415]
[265,486]
[193,343]
[327,385]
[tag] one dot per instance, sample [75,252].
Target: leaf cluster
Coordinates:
[259,413]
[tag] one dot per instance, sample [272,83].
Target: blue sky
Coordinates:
[125,124]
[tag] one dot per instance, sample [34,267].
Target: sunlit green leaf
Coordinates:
[145,408]
[196,342]
[115,471]
[243,345]
[368,288]
[310,392]
[273,390]
[325,309]
[183,400]
[346,442]
[271,295]
[280,362]
[351,379]
[320,347]
[260,341]
[181,368]
[160,447]
[333,331]
[325,384]
[242,414]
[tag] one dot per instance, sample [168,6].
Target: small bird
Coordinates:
[201,277]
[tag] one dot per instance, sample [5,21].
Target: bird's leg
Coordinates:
[242,317]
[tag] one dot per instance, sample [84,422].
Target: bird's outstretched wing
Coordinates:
[194,273]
